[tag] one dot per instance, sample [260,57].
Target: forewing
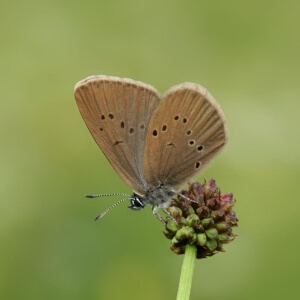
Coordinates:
[185,132]
[117,112]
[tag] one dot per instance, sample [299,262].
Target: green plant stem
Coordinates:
[186,276]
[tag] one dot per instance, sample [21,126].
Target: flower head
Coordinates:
[202,216]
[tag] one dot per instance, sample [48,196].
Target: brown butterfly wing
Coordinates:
[185,132]
[117,112]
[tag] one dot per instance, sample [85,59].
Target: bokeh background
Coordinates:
[245,52]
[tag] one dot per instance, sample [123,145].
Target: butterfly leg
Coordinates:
[157,215]
[167,213]
[185,197]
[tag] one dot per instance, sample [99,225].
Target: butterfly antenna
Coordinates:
[106,195]
[111,207]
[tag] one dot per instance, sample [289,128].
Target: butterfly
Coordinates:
[155,143]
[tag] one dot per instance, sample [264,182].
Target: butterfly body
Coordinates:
[156,197]
[155,143]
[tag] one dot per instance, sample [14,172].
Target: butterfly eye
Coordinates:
[191,143]
[142,126]
[197,165]
[131,130]
[200,148]
[111,116]
[176,118]
[102,117]
[136,203]
[188,132]
[184,120]
[122,124]
[164,128]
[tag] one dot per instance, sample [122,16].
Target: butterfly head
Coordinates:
[136,202]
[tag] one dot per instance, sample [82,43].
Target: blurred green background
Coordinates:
[245,53]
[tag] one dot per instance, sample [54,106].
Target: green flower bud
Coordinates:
[175,211]
[222,227]
[172,226]
[218,215]
[212,245]
[206,223]
[186,233]
[223,238]
[201,239]
[194,222]
[211,233]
